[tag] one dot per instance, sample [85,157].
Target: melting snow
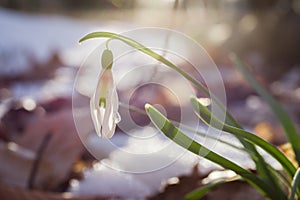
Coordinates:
[146,163]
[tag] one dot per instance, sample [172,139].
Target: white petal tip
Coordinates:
[117,118]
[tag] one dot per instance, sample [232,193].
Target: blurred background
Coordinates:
[40,56]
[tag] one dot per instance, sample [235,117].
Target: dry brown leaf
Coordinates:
[16,165]
[64,147]
[289,153]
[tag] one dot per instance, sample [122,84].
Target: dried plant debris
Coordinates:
[52,158]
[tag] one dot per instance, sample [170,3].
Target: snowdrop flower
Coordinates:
[104,103]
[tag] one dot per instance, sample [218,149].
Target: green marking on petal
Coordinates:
[102,101]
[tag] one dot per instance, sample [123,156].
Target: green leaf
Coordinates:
[206,116]
[172,132]
[186,128]
[202,191]
[261,166]
[295,184]
[280,113]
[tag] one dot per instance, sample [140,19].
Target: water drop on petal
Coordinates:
[117,117]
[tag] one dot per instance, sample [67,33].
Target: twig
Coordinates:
[37,160]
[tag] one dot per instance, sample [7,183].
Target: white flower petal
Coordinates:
[94,116]
[110,125]
[105,116]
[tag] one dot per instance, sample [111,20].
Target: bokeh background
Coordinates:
[40,56]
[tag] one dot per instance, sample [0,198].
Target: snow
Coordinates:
[61,85]
[130,166]
[145,159]
[105,181]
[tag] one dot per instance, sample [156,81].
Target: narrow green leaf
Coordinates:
[280,113]
[172,132]
[206,116]
[261,166]
[202,191]
[295,184]
[186,128]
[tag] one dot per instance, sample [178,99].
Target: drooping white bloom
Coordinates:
[104,103]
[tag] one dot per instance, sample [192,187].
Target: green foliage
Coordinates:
[280,113]
[207,117]
[172,132]
[259,161]
[268,181]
